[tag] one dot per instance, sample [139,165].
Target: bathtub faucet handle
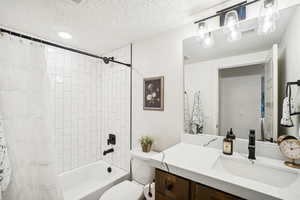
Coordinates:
[111,139]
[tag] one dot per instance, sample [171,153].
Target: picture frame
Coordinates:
[153,95]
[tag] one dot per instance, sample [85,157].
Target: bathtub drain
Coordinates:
[109,169]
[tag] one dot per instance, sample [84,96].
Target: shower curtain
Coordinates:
[24,106]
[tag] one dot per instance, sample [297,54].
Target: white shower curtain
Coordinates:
[24,105]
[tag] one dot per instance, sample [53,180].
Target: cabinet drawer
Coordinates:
[202,192]
[160,197]
[171,186]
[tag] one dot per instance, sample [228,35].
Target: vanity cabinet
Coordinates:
[171,187]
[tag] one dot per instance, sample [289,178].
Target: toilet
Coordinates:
[138,188]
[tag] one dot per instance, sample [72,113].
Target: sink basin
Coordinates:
[267,174]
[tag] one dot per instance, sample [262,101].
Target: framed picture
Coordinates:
[154,93]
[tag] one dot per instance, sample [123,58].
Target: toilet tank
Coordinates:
[142,172]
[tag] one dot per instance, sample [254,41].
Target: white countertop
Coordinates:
[196,163]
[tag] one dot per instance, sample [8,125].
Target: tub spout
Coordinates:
[108,151]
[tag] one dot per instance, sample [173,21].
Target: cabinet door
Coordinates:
[201,192]
[171,186]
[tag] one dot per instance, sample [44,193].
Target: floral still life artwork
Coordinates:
[154,93]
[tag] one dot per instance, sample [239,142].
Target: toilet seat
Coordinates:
[125,190]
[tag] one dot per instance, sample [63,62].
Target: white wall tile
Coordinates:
[113,107]
[89,100]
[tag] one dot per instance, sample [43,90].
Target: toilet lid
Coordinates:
[125,190]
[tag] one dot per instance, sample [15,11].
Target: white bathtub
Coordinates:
[91,181]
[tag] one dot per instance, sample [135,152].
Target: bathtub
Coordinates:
[91,181]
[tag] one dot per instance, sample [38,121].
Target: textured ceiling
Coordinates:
[99,25]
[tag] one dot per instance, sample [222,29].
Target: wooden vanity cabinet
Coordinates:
[171,187]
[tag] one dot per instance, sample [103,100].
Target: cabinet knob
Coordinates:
[169,186]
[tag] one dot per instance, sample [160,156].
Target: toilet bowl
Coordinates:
[124,190]
[138,189]
[128,190]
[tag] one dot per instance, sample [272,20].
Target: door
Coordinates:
[271,95]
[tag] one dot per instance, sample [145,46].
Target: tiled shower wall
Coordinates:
[114,107]
[89,100]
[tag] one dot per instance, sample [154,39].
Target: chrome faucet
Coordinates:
[251,145]
[210,141]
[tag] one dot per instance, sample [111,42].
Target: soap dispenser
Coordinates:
[232,137]
[228,145]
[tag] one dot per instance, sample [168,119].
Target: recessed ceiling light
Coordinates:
[65,35]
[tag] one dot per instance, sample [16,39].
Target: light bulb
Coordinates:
[231,21]
[208,41]
[268,17]
[231,28]
[202,30]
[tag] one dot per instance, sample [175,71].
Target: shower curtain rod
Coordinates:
[105,59]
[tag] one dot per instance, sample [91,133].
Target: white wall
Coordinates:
[160,56]
[289,65]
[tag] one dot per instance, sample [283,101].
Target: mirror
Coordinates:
[241,84]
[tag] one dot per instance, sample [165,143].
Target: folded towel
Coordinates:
[286,119]
[288,108]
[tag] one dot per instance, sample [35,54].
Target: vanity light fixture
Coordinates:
[231,26]
[208,40]
[268,16]
[202,30]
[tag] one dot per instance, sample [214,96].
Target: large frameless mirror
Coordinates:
[235,77]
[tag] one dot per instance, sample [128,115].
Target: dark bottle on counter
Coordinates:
[228,144]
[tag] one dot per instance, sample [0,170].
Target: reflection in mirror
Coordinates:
[241,84]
